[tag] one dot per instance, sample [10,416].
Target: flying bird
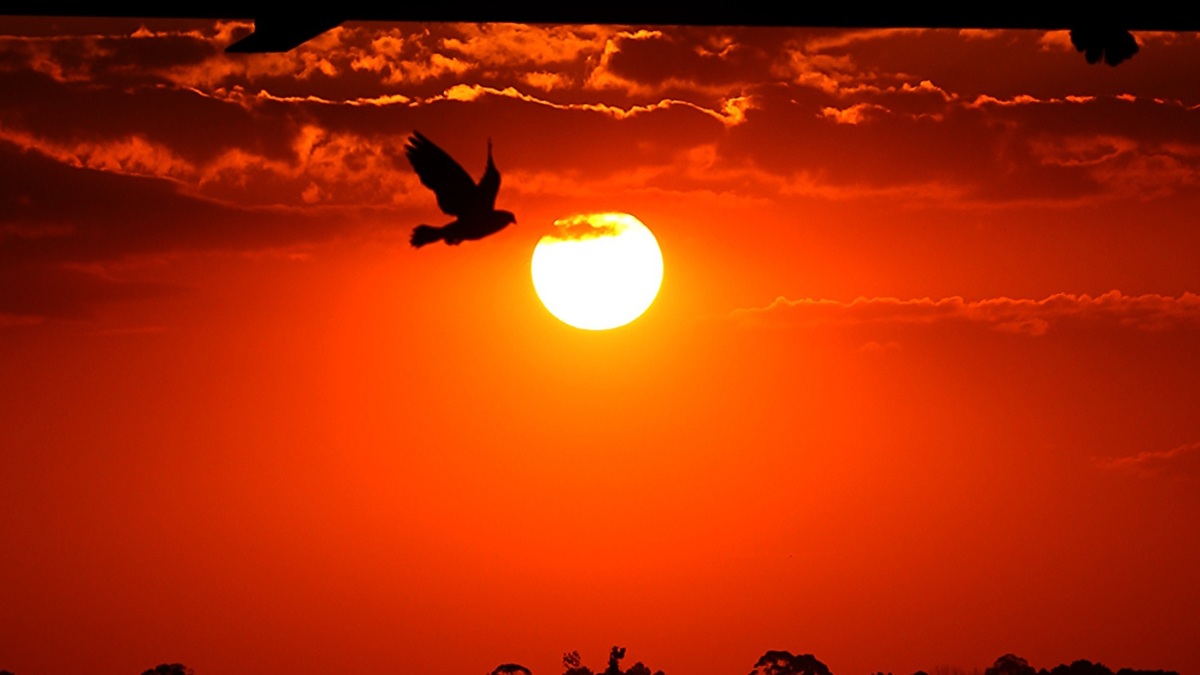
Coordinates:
[473,205]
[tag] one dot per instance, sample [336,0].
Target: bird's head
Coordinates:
[507,217]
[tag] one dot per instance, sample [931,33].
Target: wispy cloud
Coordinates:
[652,63]
[1014,315]
[730,113]
[508,44]
[1182,461]
[32,293]
[855,114]
[1025,99]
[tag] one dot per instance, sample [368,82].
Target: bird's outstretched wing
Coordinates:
[489,185]
[456,192]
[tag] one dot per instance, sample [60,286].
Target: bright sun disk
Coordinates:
[598,271]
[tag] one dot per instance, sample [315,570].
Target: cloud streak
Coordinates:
[1012,315]
[732,111]
[1182,460]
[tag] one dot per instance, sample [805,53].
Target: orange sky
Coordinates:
[919,388]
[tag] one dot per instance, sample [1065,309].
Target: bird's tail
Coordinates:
[425,234]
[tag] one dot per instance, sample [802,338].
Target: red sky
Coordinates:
[919,388]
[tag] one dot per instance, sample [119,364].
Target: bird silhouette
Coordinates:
[474,205]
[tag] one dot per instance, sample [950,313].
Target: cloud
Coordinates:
[827,73]
[510,44]
[1124,166]
[35,293]
[1011,315]
[373,58]
[702,63]
[193,56]
[855,114]
[611,73]
[1056,40]
[814,184]
[547,81]
[322,125]
[841,39]
[587,226]
[56,214]
[1025,99]
[823,62]
[802,114]
[133,155]
[322,166]
[874,347]
[730,113]
[980,33]
[1082,150]
[73,239]
[1181,461]
[74,57]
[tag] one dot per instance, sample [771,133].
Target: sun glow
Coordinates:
[598,271]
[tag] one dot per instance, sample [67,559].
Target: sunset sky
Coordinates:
[921,386]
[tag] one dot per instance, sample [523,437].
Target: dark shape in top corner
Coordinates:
[1114,45]
[274,33]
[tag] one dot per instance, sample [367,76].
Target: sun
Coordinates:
[597,271]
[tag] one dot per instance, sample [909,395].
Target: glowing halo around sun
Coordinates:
[598,270]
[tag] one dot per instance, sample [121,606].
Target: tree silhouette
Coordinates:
[1080,667]
[573,665]
[776,662]
[773,662]
[169,669]
[510,669]
[640,668]
[1010,664]
[614,661]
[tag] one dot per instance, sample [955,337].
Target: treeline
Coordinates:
[774,662]
[160,669]
[1011,664]
[778,662]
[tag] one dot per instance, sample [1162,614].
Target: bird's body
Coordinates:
[458,231]
[474,205]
